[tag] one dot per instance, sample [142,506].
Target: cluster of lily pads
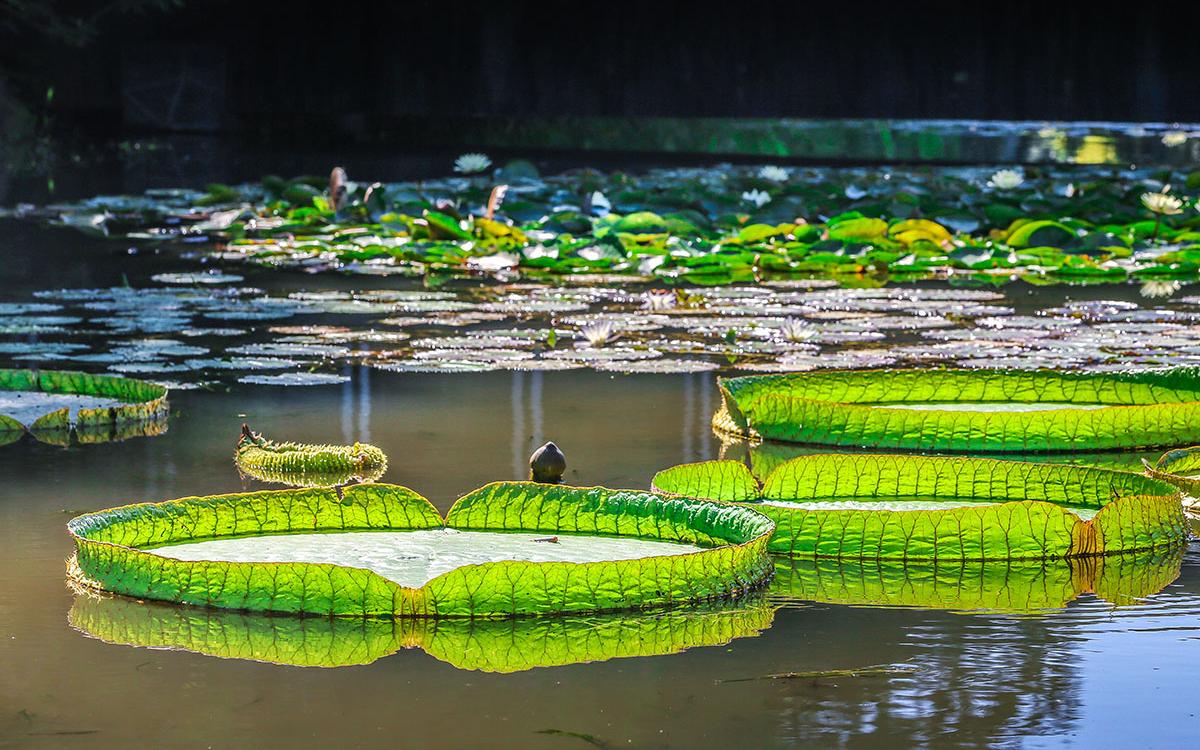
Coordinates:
[197,328]
[699,226]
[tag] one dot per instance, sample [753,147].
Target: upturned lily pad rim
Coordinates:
[1141,409]
[736,565]
[1150,516]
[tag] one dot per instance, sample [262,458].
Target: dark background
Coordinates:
[363,71]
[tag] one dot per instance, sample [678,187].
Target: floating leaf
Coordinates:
[968,410]
[114,550]
[861,506]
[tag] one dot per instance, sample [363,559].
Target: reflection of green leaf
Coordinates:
[110,552]
[506,645]
[1005,509]
[1142,409]
[1006,585]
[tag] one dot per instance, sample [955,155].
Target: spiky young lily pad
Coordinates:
[995,411]
[500,645]
[307,465]
[938,508]
[96,408]
[115,551]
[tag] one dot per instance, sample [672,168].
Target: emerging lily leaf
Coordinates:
[936,508]
[967,410]
[303,465]
[699,551]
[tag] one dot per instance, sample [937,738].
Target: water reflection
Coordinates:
[1019,586]
[762,458]
[510,645]
[527,429]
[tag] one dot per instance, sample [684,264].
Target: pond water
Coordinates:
[412,558]
[1083,673]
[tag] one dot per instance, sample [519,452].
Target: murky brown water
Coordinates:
[1087,673]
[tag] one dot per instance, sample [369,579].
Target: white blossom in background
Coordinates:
[472,163]
[796,330]
[773,173]
[759,198]
[1174,138]
[1162,203]
[658,301]
[1160,289]
[1006,179]
[600,205]
[598,333]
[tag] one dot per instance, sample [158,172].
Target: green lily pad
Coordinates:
[937,508]
[720,551]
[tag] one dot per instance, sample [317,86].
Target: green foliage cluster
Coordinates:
[701,226]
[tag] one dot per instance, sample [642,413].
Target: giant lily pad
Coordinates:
[967,410]
[941,508]
[52,404]
[700,551]
[487,645]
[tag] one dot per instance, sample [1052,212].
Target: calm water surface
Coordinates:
[1084,673]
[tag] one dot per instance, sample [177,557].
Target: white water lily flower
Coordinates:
[598,333]
[1162,203]
[600,205]
[796,330]
[1174,138]
[497,262]
[1006,179]
[759,198]
[472,163]
[773,173]
[658,301]
[1160,289]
